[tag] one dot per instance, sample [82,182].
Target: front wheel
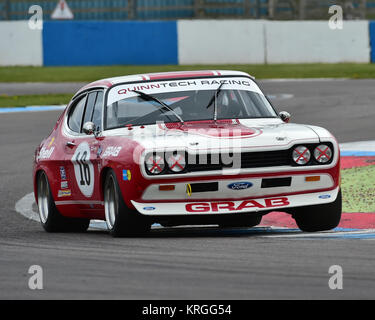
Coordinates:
[121,221]
[319,217]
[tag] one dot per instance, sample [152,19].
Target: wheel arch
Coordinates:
[103,175]
[35,181]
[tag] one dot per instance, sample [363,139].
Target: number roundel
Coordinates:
[83,169]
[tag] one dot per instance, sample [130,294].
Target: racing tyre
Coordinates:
[319,217]
[248,222]
[50,217]
[121,221]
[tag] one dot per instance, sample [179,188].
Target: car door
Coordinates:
[81,155]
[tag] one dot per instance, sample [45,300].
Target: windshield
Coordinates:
[192,105]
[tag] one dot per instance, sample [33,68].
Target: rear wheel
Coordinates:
[248,221]
[50,217]
[121,221]
[319,217]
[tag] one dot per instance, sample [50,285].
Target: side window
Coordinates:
[97,115]
[76,114]
[89,107]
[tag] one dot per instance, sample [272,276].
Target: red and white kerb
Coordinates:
[301,155]
[323,153]
[155,164]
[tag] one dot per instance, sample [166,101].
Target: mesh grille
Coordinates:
[247,160]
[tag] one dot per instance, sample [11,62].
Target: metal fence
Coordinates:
[318,9]
[192,9]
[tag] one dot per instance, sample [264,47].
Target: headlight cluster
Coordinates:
[157,163]
[312,154]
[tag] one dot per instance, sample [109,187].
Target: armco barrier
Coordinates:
[20,45]
[372,40]
[70,43]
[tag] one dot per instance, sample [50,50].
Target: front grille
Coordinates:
[245,160]
[265,159]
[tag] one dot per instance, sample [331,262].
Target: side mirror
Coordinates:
[88,128]
[285,116]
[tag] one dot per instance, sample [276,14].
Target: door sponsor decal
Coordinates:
[64,185]
[112,151]
[84,169]
[64,193]
[63,173]
[126,175]
[45,153]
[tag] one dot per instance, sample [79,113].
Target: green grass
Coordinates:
[358,189]
[34,100]
[88,74]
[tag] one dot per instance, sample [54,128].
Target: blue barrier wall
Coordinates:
[372,40]
[65,43]
[71,43]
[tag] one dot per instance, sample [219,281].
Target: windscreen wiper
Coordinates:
[214,98]
[148,97]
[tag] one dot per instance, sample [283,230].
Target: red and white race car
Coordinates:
[197,147]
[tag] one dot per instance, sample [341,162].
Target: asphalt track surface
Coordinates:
[185,263]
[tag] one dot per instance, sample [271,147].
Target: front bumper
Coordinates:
[225,190]
[253,204]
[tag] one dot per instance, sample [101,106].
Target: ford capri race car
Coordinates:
[183,148]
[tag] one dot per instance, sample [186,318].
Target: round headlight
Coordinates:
[155,164]
[301,155]
[323,153]
[176,161]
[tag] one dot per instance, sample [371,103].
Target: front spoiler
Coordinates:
[235,206]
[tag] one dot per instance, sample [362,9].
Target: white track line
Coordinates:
[24,206]
[331,234]
[358,146]
[31,109]
[280,96]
